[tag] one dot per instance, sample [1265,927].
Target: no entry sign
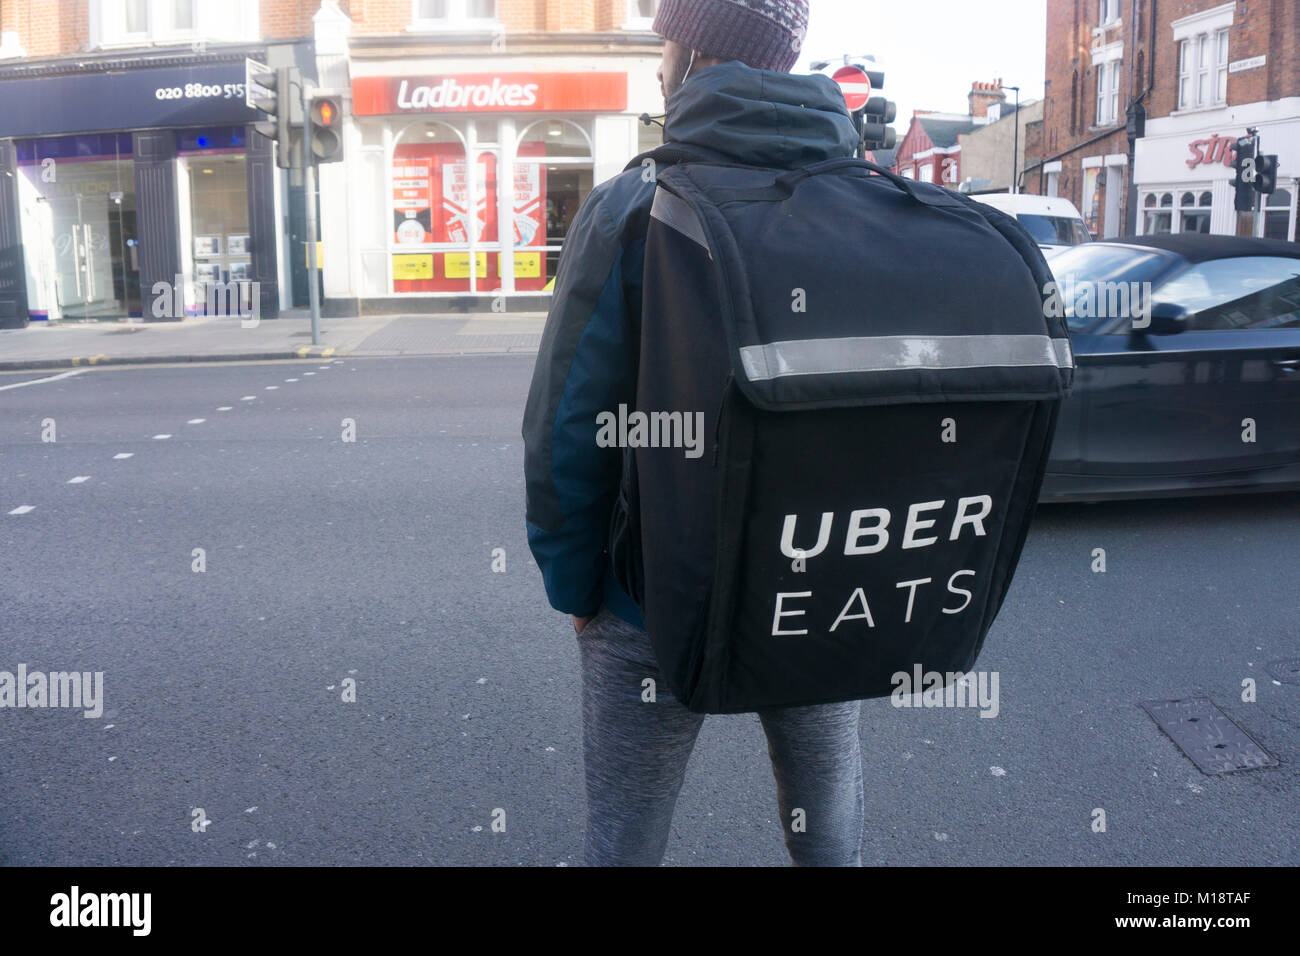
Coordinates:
[856,85]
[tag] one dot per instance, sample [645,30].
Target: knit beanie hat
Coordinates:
[763,34]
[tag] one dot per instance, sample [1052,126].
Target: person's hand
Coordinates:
[580,623]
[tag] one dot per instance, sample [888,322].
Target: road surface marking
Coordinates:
[291,380]
[161,437]
[78,480]
[23,509]
[326,353]
[123,454]
[196,421]
[308,373]
[302,352]
[38,381]
[225,408]
[272,388]
[249,398]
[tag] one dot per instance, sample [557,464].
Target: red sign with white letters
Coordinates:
[489,93]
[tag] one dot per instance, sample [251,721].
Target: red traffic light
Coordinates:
[325,113]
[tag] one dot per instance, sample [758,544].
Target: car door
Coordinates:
[1221,395]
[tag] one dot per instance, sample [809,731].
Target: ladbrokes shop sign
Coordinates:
[490,92]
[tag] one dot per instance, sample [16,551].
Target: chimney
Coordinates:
[983,95]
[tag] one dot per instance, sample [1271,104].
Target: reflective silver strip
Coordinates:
[675,213]
[895,352]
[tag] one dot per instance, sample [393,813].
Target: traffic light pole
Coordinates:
[309,168]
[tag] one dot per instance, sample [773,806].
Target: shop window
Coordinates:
[1195,212]
[436,14]
[1278,215]
[77,200]
[1158,214]
[440,211]
[554,174]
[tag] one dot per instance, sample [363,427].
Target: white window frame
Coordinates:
[231,21]
[1108,12]
[635,22]
[457,18]
[926,173]
[1107,93]
[1205,26]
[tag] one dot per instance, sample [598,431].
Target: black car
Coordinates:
[1188,356]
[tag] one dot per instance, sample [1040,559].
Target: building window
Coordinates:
[927,173]
[1109,12]
[909,173]
[1278,216]
[641,14]
[1107,92]
[1053,184]
[136,22]
[1194,210]
[444,13]
[1203,70]
[1158,215]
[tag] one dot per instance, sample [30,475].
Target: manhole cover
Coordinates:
[1207,735]
[1286,671]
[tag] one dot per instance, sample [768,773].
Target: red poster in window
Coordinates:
[412,200]
[433,202]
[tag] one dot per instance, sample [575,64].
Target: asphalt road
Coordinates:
[372,560]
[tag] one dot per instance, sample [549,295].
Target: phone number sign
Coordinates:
[132,99]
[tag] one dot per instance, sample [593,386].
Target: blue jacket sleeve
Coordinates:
[585,365]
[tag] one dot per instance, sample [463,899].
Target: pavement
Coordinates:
[46,345]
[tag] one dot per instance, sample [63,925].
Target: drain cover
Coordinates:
[1287,671]
[1207,735]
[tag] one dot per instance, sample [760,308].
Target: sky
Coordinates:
[932,50]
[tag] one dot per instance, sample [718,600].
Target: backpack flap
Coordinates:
[817,316]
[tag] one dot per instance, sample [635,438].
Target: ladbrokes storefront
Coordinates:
[463,185]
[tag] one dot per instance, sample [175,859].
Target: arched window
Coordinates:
[554,173]
[439,208]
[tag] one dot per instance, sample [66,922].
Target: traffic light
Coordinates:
[1247,175]
[271,91]
[876,117]
[1266,174]
[326,129]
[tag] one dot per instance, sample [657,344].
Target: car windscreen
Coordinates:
[1099,281]
[1054,230]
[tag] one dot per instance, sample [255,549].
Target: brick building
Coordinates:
[930,150]
[1145,99]
[127,158]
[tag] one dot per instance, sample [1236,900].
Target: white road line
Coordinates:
[272,388]
[196,421]
[161,437]
[51,378]
[325,367]
[249,398]
[123,454]
[78,480]
[308,373]
[291,380]
[23,509]
[225,408]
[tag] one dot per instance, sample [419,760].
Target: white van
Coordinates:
[1053,222]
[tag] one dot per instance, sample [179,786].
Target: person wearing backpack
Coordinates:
[730,99]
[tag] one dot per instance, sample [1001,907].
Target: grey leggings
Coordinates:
[636,753]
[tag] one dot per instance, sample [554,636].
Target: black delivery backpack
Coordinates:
[877,373]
